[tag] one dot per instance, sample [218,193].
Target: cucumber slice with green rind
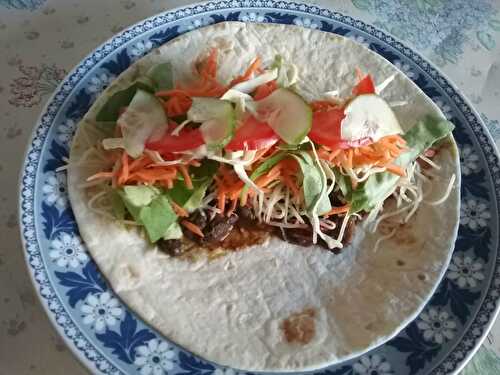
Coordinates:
[287,113]
[218,120]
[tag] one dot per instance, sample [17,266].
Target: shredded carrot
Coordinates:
[268,178]
[395,169]
[380,154]
[193,228]
[209,67]
[151,175]
[221,201]
[349,158]
[187,178]
[179,210]
[337,210]
[123,174]
[178,101]
[253,68]
[140,163]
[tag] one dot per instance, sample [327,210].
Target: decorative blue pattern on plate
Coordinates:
[110,339]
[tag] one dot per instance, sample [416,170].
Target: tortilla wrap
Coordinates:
[235,310]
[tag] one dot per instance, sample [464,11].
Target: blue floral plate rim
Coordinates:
[210,9]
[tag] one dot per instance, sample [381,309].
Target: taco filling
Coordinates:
[225,165]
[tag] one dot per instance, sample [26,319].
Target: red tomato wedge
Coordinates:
[365,86]
[187,139]
[252,135]
[326,130]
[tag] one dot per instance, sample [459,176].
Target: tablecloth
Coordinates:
[41,40]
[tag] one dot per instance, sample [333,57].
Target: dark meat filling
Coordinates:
[303,237]
[241,229]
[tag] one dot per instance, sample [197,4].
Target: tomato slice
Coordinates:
[187,139]
[252,135]
[365,86]
[326,130]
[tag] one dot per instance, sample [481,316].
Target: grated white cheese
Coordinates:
[445,195]
[430,162]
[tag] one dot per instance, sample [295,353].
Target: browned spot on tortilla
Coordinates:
[300,327]
[404,235]
[370,326]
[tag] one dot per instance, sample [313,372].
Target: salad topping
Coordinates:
[200,161]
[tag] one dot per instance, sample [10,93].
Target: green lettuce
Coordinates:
[418,139]
[149,207]
[313,184]
[159,77]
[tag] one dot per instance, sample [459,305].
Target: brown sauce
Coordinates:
[243,236]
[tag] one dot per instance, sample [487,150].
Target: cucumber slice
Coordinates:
[218,120]
[143,118]
[287,113]
[369,116]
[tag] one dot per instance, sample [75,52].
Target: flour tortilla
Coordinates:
[231,310]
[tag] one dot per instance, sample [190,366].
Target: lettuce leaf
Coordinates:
[313,184]
[173,232]
[159,77]
[149,207]
[201,177]
[419,138]
[110,111]
[157,217]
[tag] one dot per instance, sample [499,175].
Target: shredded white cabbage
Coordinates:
[409,190]
[342,229]
[314,217]
[286,225]
[98,205]
[244,102]
[445,195]
[239,162]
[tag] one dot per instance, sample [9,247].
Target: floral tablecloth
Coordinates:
[41,40]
